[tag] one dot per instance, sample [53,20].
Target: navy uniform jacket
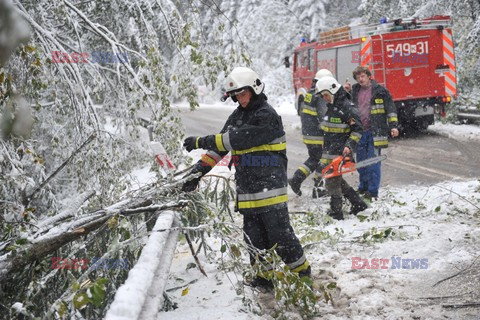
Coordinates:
[341,125]
[255,137]
[313,110]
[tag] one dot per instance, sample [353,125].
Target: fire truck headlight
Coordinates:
[364,39]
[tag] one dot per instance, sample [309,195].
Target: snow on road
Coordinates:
[462,132]
[436,226]
[439,224]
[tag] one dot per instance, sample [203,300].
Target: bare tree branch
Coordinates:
[90,139]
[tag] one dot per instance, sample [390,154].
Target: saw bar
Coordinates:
[342,164]
[367,162]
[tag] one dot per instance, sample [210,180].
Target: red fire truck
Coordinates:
[412,58]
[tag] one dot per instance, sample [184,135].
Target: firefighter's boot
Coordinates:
[336,208]
[296,181]
[318,188]
[305,273]
[261,283]
[358,204]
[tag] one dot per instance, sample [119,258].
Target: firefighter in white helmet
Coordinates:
[342,131]
[311,114]
[255,137]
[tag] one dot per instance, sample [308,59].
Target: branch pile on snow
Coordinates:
[60,235]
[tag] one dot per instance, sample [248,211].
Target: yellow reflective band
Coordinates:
[303,266]
[219,142]
[196,142]
[355,138]
[308,98]
[335,130]
[378,101]
[305,171]
[208,160]
[308,141]
[262,203]
[264,147]
[377,111]
[380,143]
[325,161]
[393,119]
[310,112]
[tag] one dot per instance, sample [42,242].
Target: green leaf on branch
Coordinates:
[80,300]
[236,252]
[332,285]
[98,294]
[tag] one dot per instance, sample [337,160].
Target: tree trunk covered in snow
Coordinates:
[90,69]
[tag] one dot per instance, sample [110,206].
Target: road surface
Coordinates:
[417,159]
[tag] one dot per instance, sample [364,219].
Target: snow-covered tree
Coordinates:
[85,111]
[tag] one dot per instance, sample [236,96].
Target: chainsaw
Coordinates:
[344,164]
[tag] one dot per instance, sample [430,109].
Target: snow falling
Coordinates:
[96,98]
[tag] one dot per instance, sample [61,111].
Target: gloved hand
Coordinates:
[193,143]
[191,185]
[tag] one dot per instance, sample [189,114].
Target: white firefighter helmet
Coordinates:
[327,84]
[323,73]
[242,77]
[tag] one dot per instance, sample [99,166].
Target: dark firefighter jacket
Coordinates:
[341,125]
[255,137]
[313,110]
[383,113]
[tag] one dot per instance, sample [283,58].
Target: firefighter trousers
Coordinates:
[267,229]
[369,176]
[336,186]
[313,161]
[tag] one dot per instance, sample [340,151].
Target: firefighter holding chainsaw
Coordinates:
[342,131]
[311,114]
[255,129]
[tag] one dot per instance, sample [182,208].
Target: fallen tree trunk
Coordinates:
[48,243]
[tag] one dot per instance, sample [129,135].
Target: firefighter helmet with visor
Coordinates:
[241,78]
[327,84]
[323,73]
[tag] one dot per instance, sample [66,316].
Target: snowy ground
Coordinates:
[438,223]
[463,132]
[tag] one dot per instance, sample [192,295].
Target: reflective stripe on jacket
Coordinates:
[313,110]
[342,127]
[254,131]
